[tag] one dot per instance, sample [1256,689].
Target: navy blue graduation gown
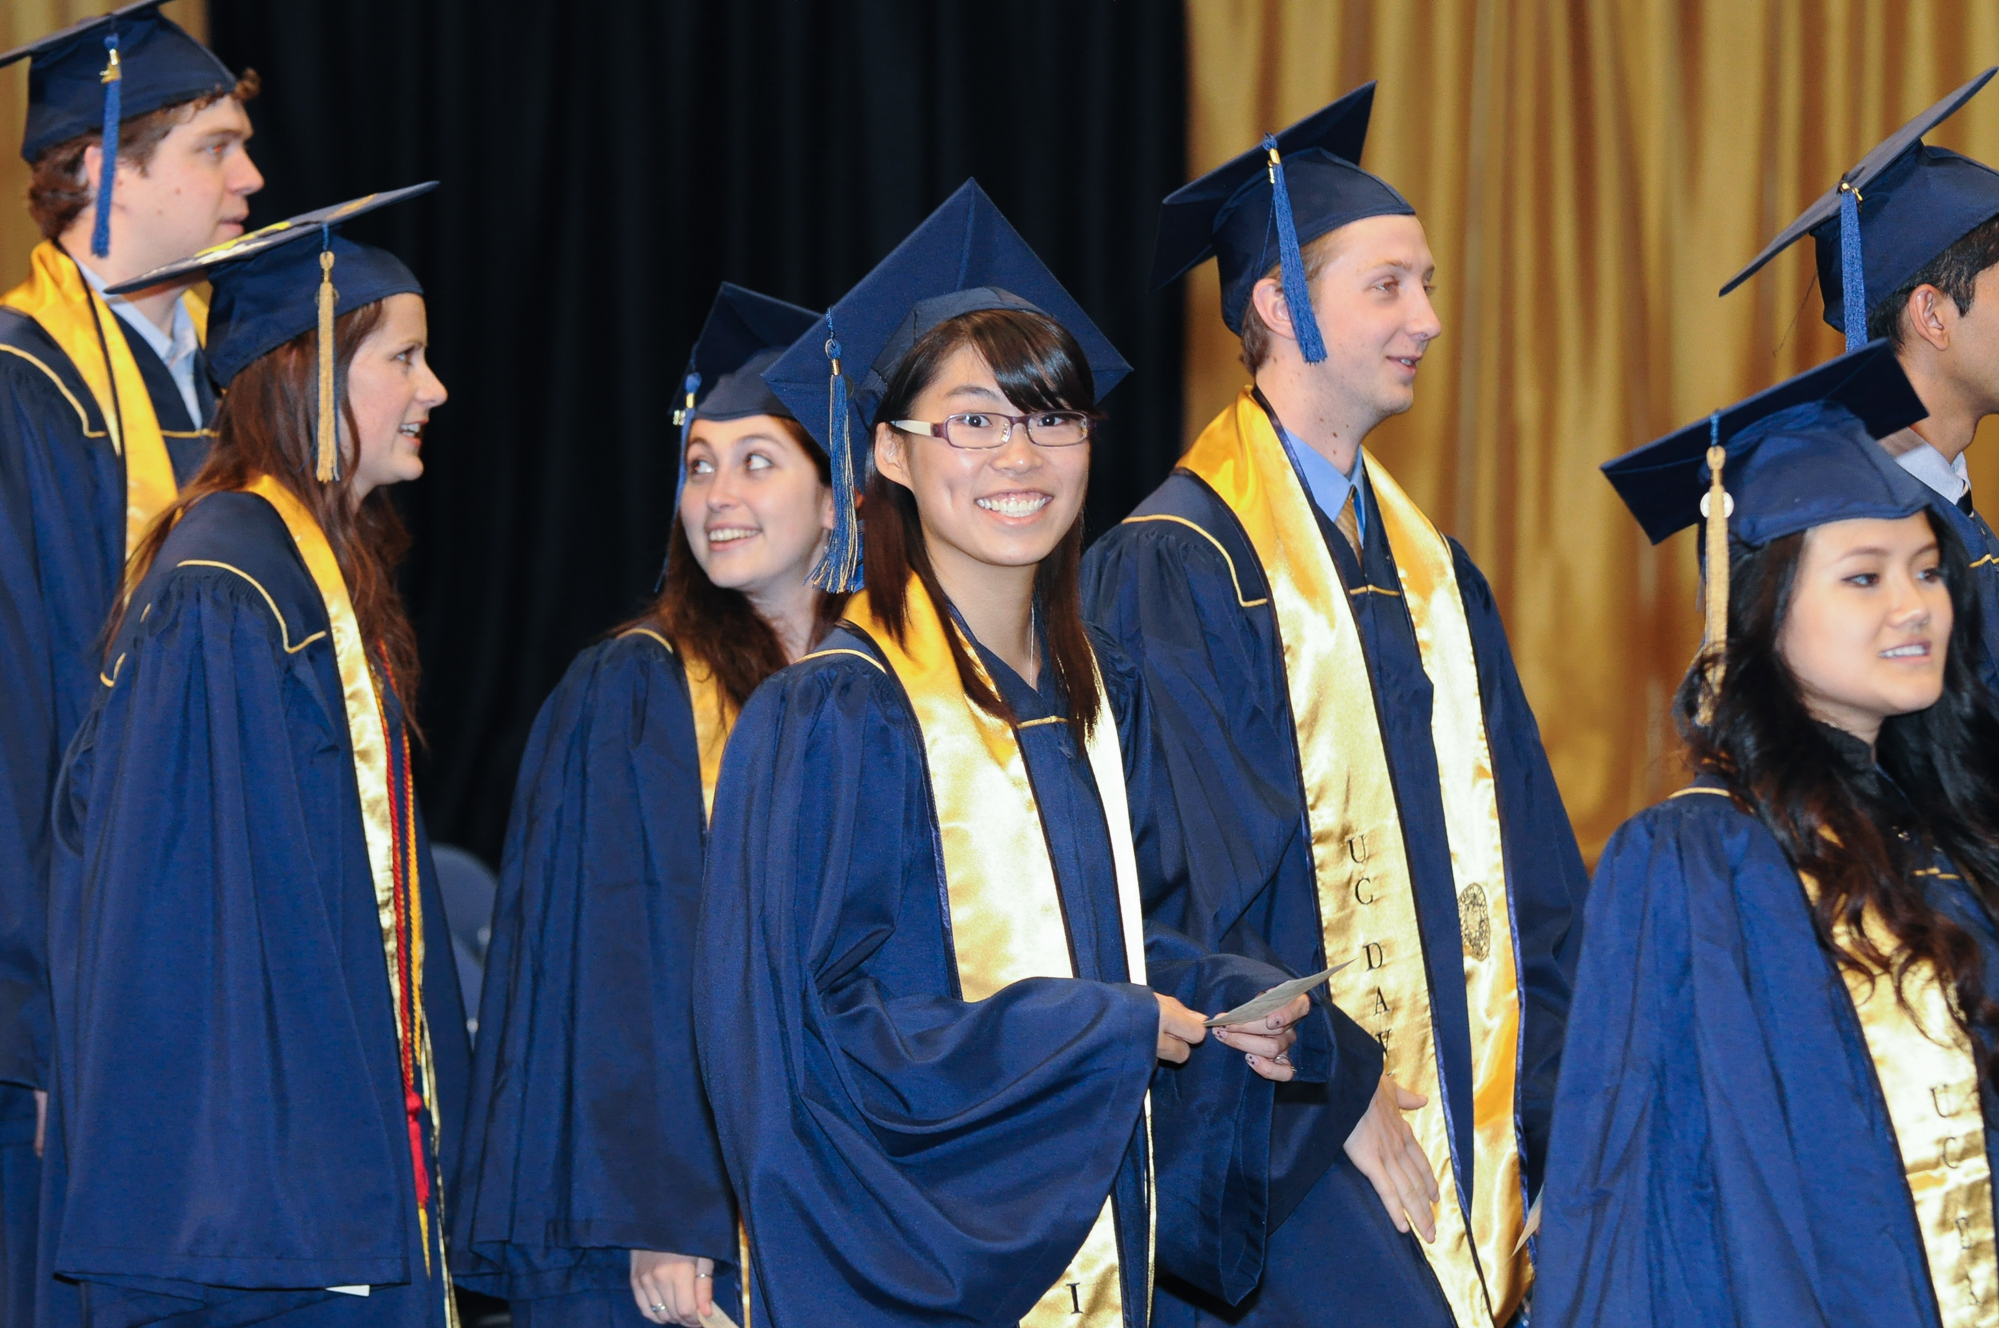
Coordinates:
[1981,547]
[62,550]
[1722,1153]
[1215,670]
[589,1132]
[905,1157]
[227,1136]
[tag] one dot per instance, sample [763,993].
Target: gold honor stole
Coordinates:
[388,824]
[1367,903]
[1006,911]
[1929,1080]
[78,320]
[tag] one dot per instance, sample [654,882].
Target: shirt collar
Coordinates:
[171,347]
[1952,479]
[1328,487]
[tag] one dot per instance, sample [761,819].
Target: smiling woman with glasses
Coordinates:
[934,989]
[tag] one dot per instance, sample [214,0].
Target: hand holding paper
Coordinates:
[1276,998]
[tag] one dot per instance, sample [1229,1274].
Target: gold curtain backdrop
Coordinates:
[1589,174]
[22,21]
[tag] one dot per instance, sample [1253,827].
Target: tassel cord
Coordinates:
[327,469]
[107,171]
[1714,649]
[839,568]
[1291,259]
[1852,271]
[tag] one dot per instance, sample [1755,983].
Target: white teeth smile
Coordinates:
[410,430]
[729,534]
[1907,652]
[1015,504]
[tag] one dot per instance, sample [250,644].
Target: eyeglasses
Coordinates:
[983,430]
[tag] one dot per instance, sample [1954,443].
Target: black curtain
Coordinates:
[604,165]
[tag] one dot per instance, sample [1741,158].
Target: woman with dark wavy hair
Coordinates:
[929,994]
[260,1051]
[593,1190]
[1775,1094]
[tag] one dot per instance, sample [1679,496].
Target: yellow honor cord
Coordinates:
[1715,647]
[329,437]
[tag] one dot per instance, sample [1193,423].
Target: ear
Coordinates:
[1931,315]
[890,458]
[1268,297]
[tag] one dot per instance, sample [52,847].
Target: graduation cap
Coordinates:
[271,285]
[1259,208]
[964,257]
[1887,218]
[96,73]
[1797,455]
[744,334]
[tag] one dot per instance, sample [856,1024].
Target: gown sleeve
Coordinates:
[1231,826]
[33,703]
[1546,880]
[223,1124]
[1674,1190]
[1211,1115]
[590,1133]
[903,1156]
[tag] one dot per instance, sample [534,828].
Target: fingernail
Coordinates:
[1251,1058]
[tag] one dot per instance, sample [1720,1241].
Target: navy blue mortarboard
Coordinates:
[964,257]
[1904,204]
[744,334]
[94,74]
[271,286]
[1794,456]
[1255,211]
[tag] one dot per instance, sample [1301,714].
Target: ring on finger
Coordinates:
[709,1276]
[659,1309]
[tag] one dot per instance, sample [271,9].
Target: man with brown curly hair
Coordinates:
[103,405]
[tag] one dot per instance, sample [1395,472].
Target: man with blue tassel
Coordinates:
[1356,770]
[1908,243]
[136,134]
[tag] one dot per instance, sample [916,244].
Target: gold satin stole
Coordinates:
[1367,904]
[1929,1081]
[78,320]
[1006,911]
[368,734]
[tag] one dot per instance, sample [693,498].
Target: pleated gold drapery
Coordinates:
[23,21]
[1589,174]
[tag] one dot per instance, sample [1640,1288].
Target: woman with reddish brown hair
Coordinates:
[593,1193]
[259,1045]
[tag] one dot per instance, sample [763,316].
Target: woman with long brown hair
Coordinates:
[259,1045]
[593,1192]
[1775,1092]
[920,982]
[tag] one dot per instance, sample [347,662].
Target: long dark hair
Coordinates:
[1039,366]
[1856,837]
[719,627]
[265,426]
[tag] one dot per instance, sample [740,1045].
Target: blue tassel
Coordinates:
[1852,275]
[114,78]
[838,571]
[1297,293]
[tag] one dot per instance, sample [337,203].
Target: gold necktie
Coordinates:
[1348,522]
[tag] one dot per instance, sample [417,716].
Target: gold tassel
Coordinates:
[1715,648]
[328,468]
